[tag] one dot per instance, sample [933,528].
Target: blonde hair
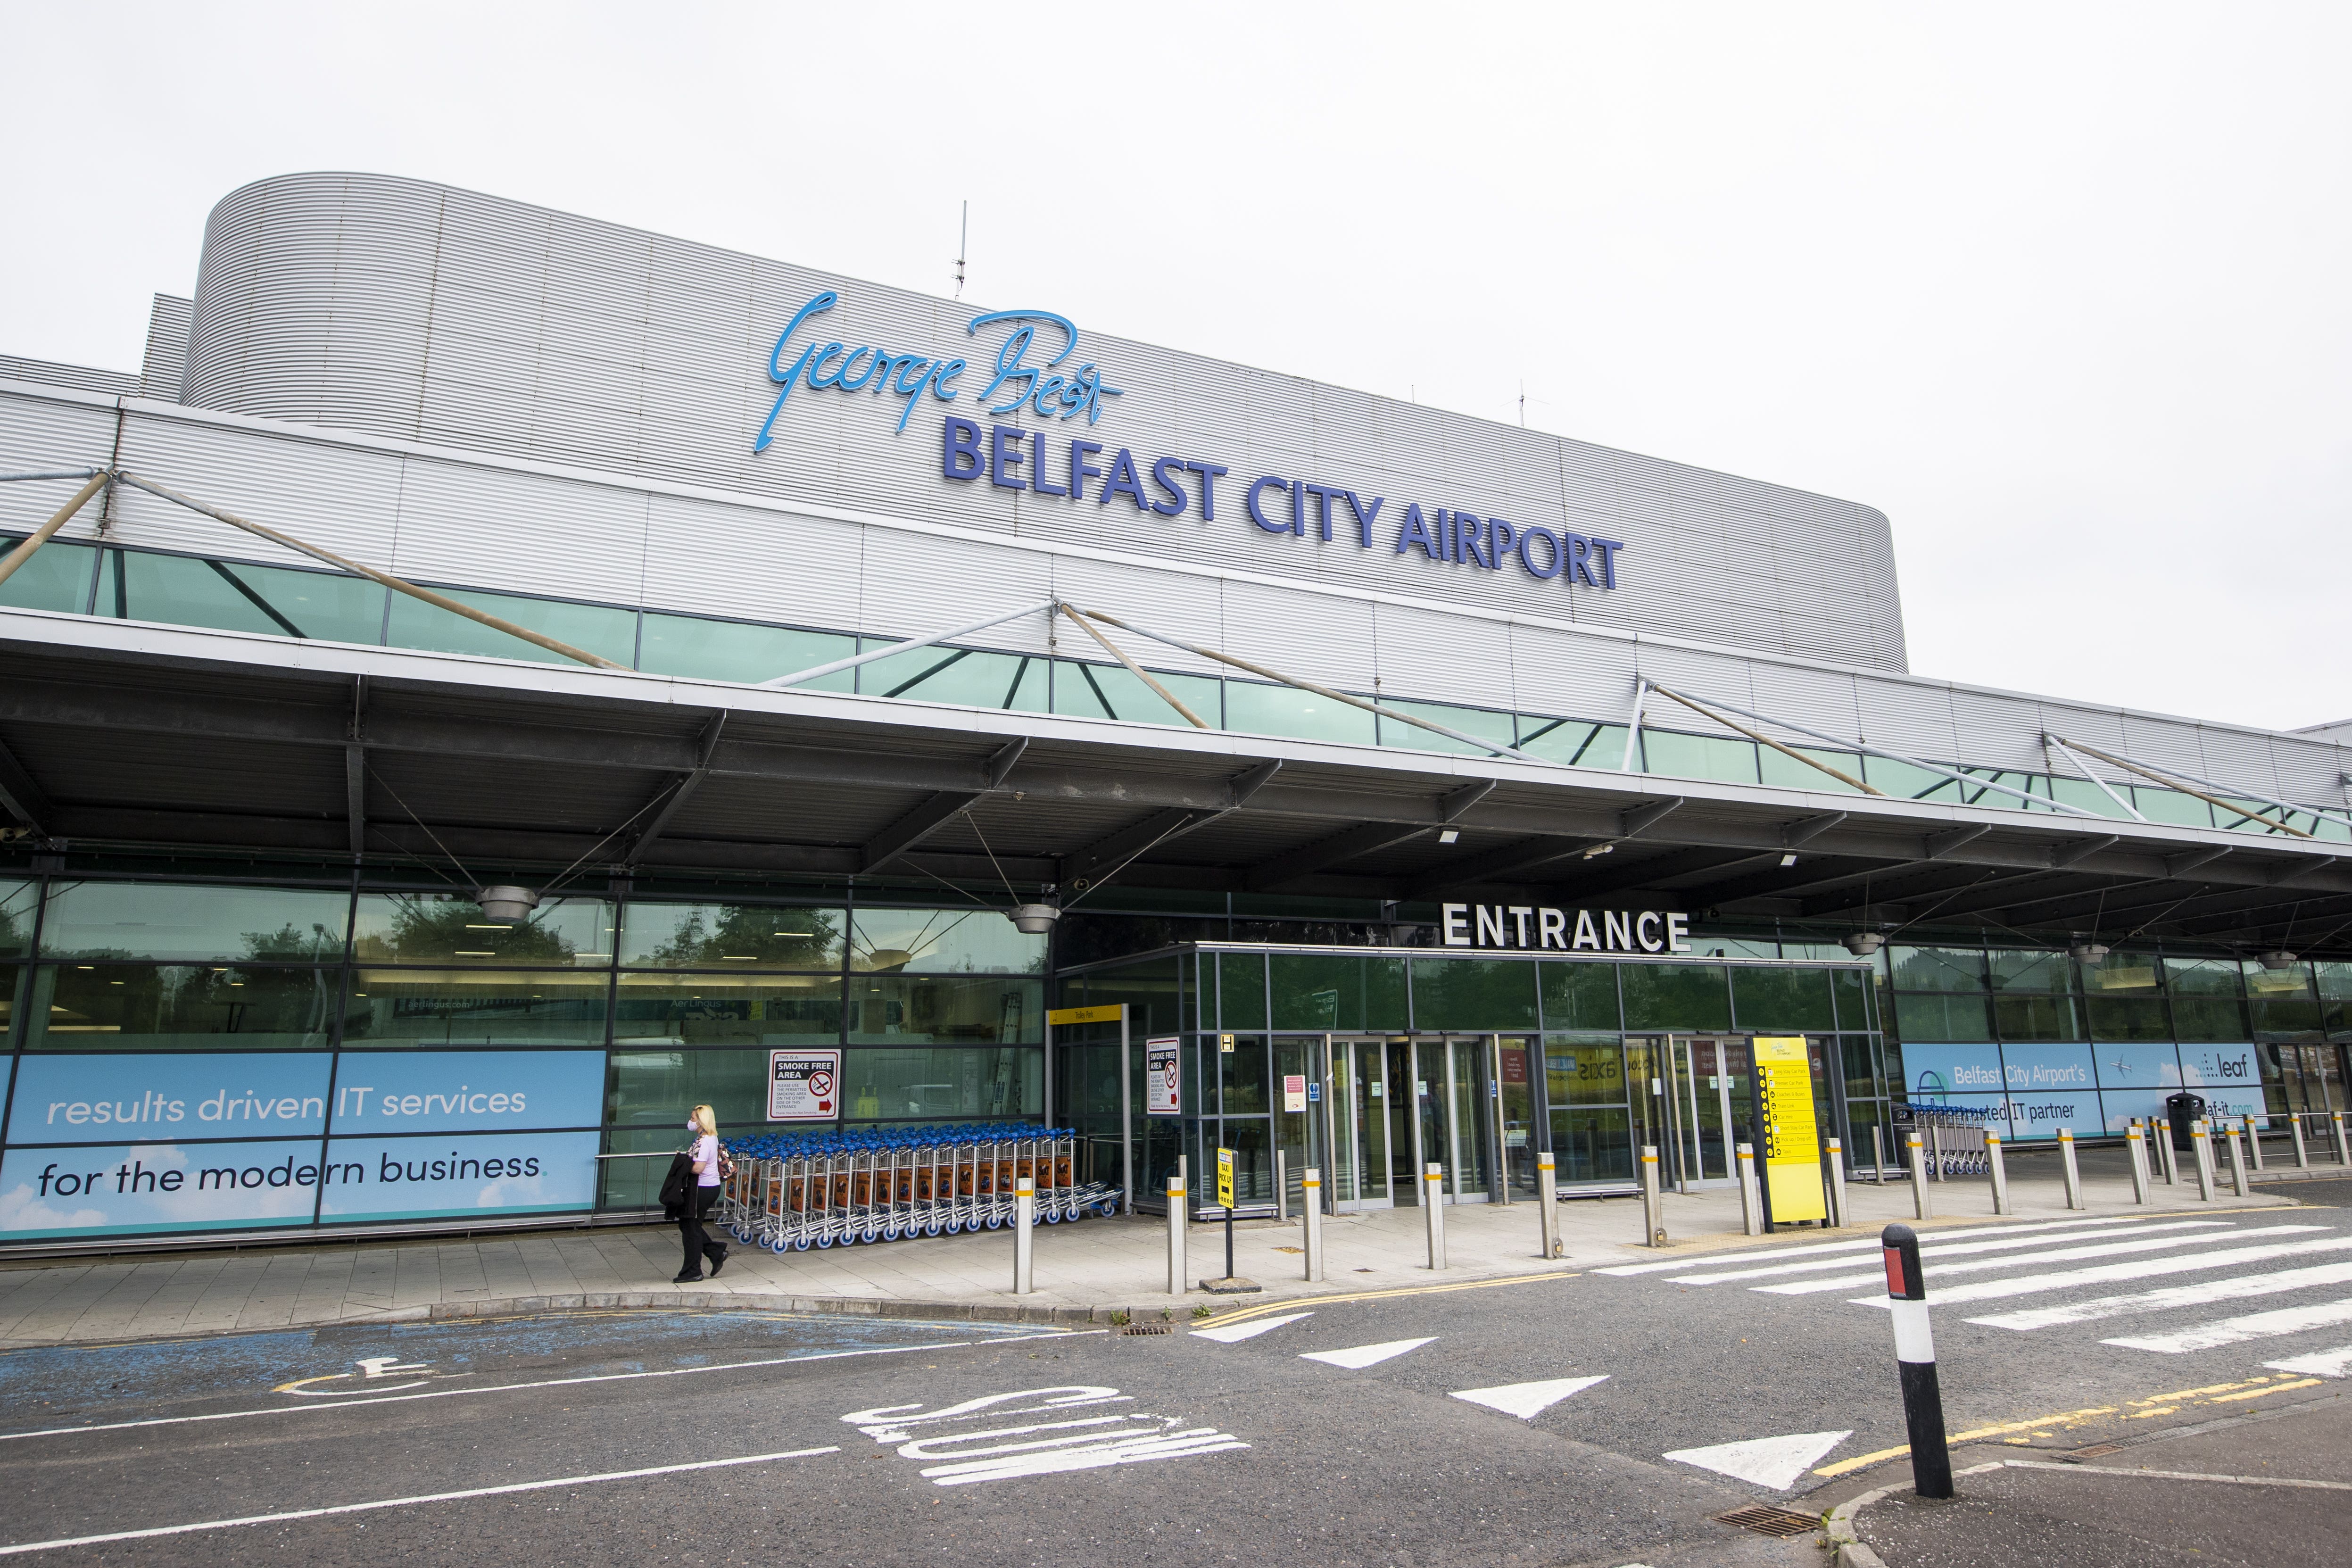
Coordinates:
[707,1119]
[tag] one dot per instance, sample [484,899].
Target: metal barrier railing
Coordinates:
[791,1193]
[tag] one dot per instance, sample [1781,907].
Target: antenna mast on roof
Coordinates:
[963,248]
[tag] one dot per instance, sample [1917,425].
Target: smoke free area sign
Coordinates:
[804,1086]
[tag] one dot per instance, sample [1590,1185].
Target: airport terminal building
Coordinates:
[494,679]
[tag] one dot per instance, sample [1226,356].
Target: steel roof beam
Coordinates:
[1520,855]
[22,797]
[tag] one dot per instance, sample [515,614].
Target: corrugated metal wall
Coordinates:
[426,313]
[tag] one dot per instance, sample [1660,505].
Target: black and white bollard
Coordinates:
[1024,1236]
[1433,1200]
[1751,1201]
[1310,1208]
[1837,1183]
[1915,1359]
[1176,1222]
[2135,1146]
[2069,1169]
[1920,1207]
[1546,1201]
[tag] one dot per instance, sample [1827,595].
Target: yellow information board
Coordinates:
[1058,1017]
[1224,1178]
[1793,1145]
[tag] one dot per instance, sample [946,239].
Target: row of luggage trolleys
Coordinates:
[840,1198]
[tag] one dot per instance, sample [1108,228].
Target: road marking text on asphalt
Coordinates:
[972,1451]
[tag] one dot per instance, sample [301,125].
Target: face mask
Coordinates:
[693,1127]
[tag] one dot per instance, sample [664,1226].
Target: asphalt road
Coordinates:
[873,1442]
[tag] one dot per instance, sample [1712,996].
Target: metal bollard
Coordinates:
[1024,1236]
[2200,1149]
[1547,1204]
[1281,1191]
[1920,1207]
[2169,1156]
[1311,1206]
[2302,1155]
[2135,1146]
[1653,1218]
[1433,1203]
[2254,1145]
[1877,1156]
[1176,1220]
[1751,1204]
[1999,1171]
[1935,1150]
[2343,1138]
[1915,1359]
[2237,1159]
[2070,1170]
[1837,1183]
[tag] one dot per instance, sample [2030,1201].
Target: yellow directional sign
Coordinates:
[1058,1017]
[1224,1178]
[1793,1151]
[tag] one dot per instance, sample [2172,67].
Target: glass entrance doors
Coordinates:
[1400,1103]
[1710,1093]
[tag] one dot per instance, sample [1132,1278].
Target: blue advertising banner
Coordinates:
[467,1091]
[2123,1106]
[2137,1066]
[418,1178]
[106,1190]
[107,1098]
[1936,1071]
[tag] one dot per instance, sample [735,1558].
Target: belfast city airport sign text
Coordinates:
[1565,930]
[1014,458]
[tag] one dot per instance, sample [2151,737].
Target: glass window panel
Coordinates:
[1862,1081]
[2038,1018]
[2202,976]
[2334,978]
[449,928]
[1939,969]
[657,1089]
[2015,970]
[2128,1018]
[18,900]
[1242,1077]
[943,941]
[1584,1070]
[271,600]
[2209,1018]
[1903,781]
[1776,768]
[736,651]
[886,1010]
[2122,971]
[2166,806]
[1579,996]
[1741,947]
[1287,710]
[946,1085]
[178,1007]
[56,578]
[2082,792]
[1478,721]
[1473,994]
[2237,824]
[405,1008]
[966,677]
[1317,991]
[2276,1017]
[727,1009]
[177,920]
[2290,984]
[1778,1000]
[1575,741]
[593,629]
[1852,989]
[1943,1017]
[1241,988]
[11,979]
[1109,691]
[730,936]
[1724,757]
[1592,1143]
[1675,996]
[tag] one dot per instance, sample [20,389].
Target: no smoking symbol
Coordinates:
[820,1082]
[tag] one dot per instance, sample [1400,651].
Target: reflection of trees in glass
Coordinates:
[18,901]
[290,944]
[188,999]
[805,938]
[943,941]
[432,927]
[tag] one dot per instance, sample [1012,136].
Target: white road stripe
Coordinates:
[2027,1260]
[62,1541]
[1750,1254]
[2172,1297]
[1528,1400]
[1361,1356]
[1233,1333]
[2336,1363]
[2108,1273]
[1962,1249]
[2237,1330]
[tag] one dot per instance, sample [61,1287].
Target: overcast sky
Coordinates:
[2064,289]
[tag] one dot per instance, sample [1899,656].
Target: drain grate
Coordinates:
[1146,1329]
[1765,1519]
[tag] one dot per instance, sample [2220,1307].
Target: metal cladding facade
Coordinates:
[423,313]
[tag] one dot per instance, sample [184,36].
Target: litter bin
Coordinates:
[2181,1110]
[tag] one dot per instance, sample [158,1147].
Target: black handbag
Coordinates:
[677,1183]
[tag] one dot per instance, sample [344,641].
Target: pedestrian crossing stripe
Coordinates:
[2105,1273]
[2336,1363]
[2055,1254]
[2171,1297]
[2237,1330]
[1757,1254]
[1929,1251]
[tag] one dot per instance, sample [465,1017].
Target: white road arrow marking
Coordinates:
[1529,1400]
[1362,1356]
[1775,1462]
[1234,1334]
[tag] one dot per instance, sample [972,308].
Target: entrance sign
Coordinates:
[1792,1150]
[1162,1093]
[1294,1091]
[1544,928]
[804,1086]
[1225,1180]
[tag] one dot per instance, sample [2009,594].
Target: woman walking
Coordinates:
[701,1192]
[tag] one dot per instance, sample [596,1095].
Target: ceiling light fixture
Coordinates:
[1787,859]
[1449,836]
[2088,953]
[507,902]
[1032,919]
[1598,849]
[2278,958]
[1863,943]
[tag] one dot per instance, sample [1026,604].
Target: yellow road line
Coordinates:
[2257,1392]
[1973,1434]
[1239,1314]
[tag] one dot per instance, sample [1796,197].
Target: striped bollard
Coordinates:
[1998,1172]
[1176,1217]
[1024,1236]
[2200,1149]
[1311,1211]
[2070,1168]
[2237,1159]
[1915,1359]
[1546,1197]
[1837,1183]
[1653,1218]
[1920,1207]
[2135,1144]
[1751,1203]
